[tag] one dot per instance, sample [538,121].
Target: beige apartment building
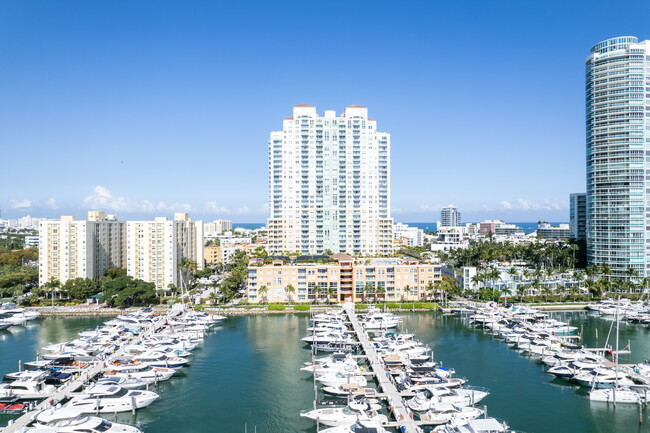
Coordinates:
[148,250]
[387,279]
[80,249]
[155,249]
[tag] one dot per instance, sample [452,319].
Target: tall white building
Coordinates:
[618,140]
[449,216]
[155,249]
[80,249]
[329,182]
[148,250]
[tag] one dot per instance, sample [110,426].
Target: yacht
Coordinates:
[617,395]
[447,412]
[158,359]
[428,398]
[339,378]
[373,426]
[27,389]
[603,377]
[345,416]
[139,371]
[110,399]
[480,425]
[71,420]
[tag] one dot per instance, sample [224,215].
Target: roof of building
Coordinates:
[289,118]
[355,106]
[304,105]
[341,257]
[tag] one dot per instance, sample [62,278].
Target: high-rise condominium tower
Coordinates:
[329,183]
[618,105]
[450,216]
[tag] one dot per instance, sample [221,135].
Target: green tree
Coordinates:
[126,291]
[115,272]
[290,290]
[263,290]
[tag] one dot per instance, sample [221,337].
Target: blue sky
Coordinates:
[150,107]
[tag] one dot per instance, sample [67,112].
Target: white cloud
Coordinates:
[212,207]
[50,203]
[20,204]
[243,210]
[528,205]
[102,199]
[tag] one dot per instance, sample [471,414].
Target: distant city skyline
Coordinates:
[168,108]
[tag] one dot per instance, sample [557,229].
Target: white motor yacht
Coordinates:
[71,420]
[603,377]
[618,395]
[345,416]
[110,399]
[446,412]
[479,425]
[139,371]
[339,378]
[373,426]
[428,398]
[27,389]
[159,359]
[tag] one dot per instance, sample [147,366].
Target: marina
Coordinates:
[236,376]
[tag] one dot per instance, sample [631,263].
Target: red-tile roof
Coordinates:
[305,105]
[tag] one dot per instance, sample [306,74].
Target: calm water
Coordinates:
[246,375]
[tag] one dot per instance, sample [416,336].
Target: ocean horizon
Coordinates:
[528,227]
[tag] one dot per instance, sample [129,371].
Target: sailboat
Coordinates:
[616,394]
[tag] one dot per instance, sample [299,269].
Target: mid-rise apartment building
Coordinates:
[329,179]
[148,250]
[413,236]
[80,249]
[618,142]
[449,216]
[216,227]
[547,231]
[155,249]
[390,280]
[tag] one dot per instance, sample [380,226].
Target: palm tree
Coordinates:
[430,287]
[368,288]
[316,290]
[560,290]
[263,290]
[290,290]
[605,270]
[407,290]
[381,290]
[546,292]
[53,285]
[506,291]
[521,291]
[331,293]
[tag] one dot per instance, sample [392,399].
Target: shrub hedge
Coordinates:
[276,307]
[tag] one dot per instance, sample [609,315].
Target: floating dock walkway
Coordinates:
[402,414]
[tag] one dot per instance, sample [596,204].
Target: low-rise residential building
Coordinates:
[31,241]
[409,236]
[344,280]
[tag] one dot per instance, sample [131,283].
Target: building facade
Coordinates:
[449,216]
[547,231]
[617,100]
[578,215]
[149,250]
[216,227]
[155,249]
[80,249]
[344,281]
[329,183]
[411,236]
